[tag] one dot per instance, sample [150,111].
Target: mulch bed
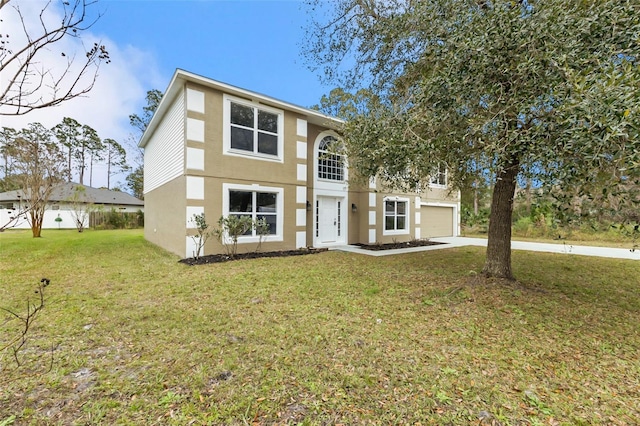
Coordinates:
[218,258]
[392,246]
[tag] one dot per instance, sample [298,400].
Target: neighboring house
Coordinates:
[221,150]
[63,203]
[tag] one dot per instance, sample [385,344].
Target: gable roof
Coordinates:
[64,192]
[180,77]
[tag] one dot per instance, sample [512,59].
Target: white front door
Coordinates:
[329,220]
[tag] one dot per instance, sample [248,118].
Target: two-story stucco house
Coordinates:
[221,150]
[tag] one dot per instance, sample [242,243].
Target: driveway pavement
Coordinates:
[618,253]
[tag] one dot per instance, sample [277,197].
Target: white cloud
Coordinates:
[119,90]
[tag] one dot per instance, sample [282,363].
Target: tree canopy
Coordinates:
[547,90]
[135,179]
[39,164]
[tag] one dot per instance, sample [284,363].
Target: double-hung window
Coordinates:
[257,203]
[439,177]
[396,214]
[257,206]
[253,130]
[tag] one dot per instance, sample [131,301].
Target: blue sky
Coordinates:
[255,45]
[252,44]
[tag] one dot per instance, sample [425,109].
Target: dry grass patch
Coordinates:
[326,339]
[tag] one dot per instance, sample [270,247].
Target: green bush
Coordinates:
[475,222]
[115,220]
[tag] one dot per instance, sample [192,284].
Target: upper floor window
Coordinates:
[253,129]
[439,177]
[330,159]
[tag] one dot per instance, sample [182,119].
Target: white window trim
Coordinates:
[328,183]
[407,229]
[226,187]
[456,212]
[226,130]
[437,185]
[340,157]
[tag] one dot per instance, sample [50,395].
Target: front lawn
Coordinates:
[130,336]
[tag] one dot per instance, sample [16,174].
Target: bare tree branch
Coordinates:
[31,84]
[16,344]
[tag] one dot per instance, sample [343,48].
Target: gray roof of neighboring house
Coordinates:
[64,192]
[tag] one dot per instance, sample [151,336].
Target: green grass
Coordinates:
[598,236]
[130,336]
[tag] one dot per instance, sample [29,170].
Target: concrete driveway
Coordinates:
[618,253]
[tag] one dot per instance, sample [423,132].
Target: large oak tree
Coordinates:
[546,90]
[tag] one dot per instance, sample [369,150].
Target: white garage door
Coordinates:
[436,221]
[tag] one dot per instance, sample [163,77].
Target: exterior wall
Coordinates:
[248,169]
[209,164]
[49,221]
[164,154]
[366,225]
[377,206]
[164,220]
[65,212]
[326,189]
[356,217]
[189,169]
[213,208]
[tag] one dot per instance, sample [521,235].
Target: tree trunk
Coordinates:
[109,170]
[36,222]
[498,261]
[69,171]
[82,166]
[476,184]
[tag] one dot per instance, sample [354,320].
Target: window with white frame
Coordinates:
[255,202]
[253,129]
[439,177]
[396,214]
[330,159]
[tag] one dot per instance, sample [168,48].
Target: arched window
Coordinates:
[330,159]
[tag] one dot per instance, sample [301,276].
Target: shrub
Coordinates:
[229,229]
[204,233]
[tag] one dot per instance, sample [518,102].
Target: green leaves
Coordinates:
[547,85]
[454,81]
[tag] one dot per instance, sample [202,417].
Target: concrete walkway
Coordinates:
[618,253]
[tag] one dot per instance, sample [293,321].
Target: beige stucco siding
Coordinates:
[165,216]
[436,194]
[220,164]
[383,237]
[190,167]
[214,209]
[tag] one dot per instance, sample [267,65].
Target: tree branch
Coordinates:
[26,89]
